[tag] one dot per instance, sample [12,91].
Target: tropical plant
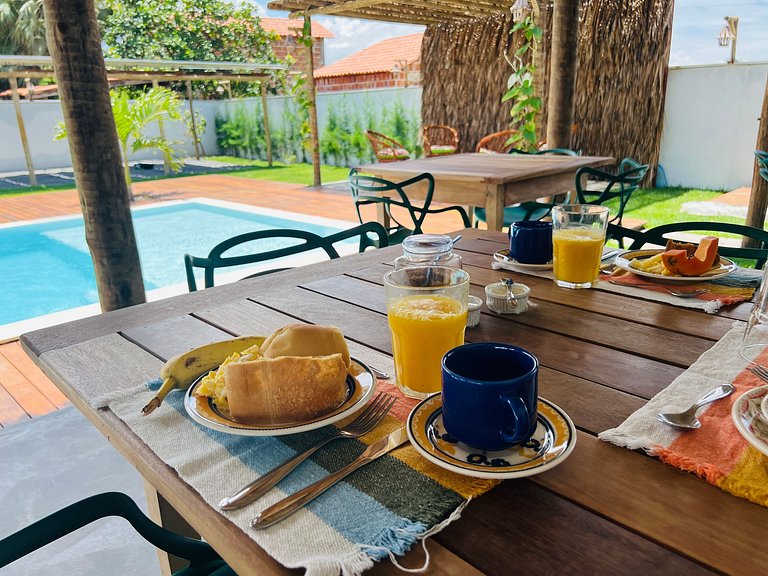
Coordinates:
[22,27]
[132,117]
[520,87]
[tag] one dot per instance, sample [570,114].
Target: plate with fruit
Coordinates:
[678,262]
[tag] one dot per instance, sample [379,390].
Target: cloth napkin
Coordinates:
[717,452]
[737,287]
[380,510]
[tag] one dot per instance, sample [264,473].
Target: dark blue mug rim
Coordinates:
[531,224]
[468,348]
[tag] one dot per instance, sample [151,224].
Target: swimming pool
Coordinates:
[45,267]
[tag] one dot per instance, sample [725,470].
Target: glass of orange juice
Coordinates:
[427,312]
[578,235]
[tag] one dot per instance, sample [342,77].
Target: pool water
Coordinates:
[46,267]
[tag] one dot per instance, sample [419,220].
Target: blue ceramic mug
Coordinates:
[530,242]
[490,395]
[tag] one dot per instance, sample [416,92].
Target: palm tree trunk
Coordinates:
[562,78]
[74,44]
[758,200]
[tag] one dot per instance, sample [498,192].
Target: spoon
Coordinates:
[380,374]
[687,420]
[511,300]
[678,293]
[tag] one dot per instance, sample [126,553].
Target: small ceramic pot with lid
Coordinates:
[507,297]
[473,311]
[428,250]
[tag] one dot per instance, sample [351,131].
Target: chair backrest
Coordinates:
[309,241]
[440,140]
[386,149]
[620,185]
[762,162]
[369,190]
[496,142]
[659,234]
[545,151]
[203,559]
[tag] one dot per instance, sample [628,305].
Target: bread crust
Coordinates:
[286,389]
[306,340]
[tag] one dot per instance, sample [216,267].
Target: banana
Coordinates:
[181,371]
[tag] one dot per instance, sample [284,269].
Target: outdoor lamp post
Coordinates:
[728,33]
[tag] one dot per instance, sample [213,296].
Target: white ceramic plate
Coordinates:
[552,443]
[749,418]
[622,261]
[502,256]
[360,381]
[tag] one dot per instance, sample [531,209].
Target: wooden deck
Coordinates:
[25,392]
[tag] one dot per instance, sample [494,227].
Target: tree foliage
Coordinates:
[208,30]
[22,27]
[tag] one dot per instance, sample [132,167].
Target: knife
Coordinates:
[294,502]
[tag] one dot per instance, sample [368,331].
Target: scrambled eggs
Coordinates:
[213,384]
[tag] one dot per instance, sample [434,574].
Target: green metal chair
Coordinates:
[658,236]
[369,190]
[762,162]
[529,210]
[607,186]
[560,151]
[217,259]
[204,561]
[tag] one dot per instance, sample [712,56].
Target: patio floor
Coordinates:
[25,392]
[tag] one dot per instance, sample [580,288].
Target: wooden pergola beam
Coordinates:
[148,76]
[423,12]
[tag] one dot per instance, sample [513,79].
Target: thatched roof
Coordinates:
[403,11]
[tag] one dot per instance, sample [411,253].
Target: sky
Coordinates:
[695,27]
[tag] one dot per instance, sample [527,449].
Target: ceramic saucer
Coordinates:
[550,445]
[502,256]
[749,418]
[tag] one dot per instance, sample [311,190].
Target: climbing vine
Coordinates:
[520,87]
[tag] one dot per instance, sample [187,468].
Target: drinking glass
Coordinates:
[755,338]
[427,313]
[578,235]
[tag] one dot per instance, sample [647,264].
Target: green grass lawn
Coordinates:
[256,169]
[658,206]
[279,172]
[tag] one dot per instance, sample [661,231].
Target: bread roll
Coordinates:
[285,389]
[306,340]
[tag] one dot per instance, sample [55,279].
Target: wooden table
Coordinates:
[604,510]
[489,181]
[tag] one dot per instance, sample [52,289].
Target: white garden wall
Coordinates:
[711,117]
[710,124]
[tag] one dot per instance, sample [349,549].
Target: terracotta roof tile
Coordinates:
[380,57]
[286,26]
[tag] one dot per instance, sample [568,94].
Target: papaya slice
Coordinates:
[681,262]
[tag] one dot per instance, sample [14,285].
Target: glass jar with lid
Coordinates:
[425,249]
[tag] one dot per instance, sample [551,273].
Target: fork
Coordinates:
[364,423]
[758,371]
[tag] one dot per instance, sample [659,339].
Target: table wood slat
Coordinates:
[591,544]
[665,504]
[678,348]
